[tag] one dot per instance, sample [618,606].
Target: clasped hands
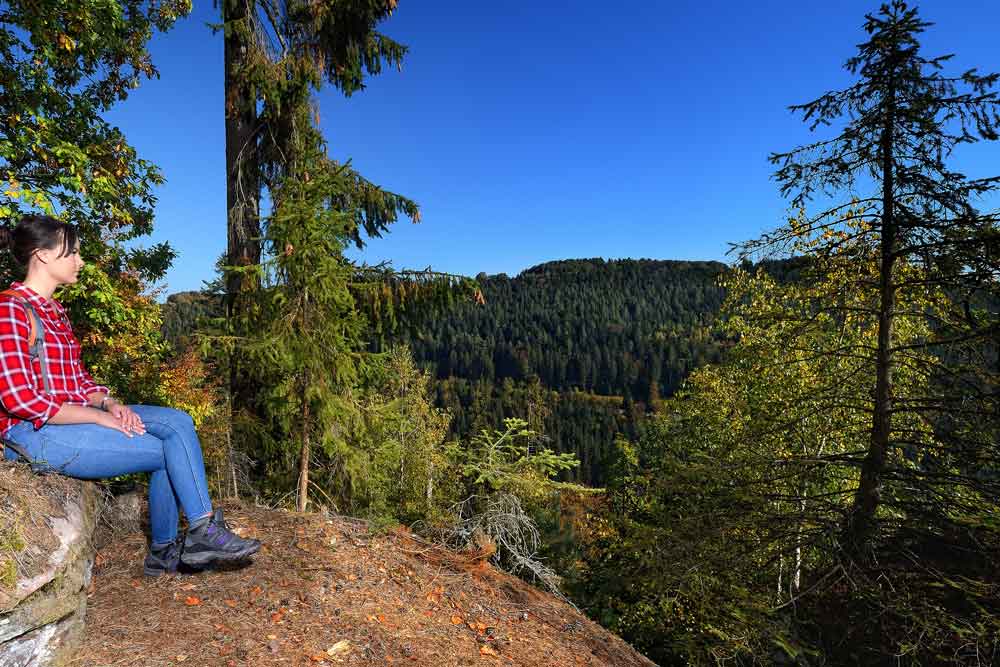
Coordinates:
[123,418]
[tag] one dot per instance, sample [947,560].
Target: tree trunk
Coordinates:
[861,526]
[430,485]
[242,178]
[303,495]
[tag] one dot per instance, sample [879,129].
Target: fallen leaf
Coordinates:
[189,587]
[180,658]
[230,603]
[456,620]
[192,601]
[277,616]
[381,618]
[343,646]
[488,650]
[256,590]
[272,636]
[318,658]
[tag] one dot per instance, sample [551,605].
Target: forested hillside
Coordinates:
[580,348]
[620,327]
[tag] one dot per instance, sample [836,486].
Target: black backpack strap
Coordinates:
[36,339]
[37,350]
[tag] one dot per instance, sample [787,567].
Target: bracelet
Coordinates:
[104,402]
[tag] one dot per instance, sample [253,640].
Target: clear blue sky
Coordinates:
[531,131]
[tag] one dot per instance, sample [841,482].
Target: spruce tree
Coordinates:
[901,122]
[273,48]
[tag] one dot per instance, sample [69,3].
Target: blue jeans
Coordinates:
[169,450]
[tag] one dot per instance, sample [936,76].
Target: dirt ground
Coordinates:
[324,591]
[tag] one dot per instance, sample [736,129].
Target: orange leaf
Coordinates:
[381,618]
[277,616]
[488,650]
[318,658]
[256,590]
[230,603]
[192,601]
[456,620]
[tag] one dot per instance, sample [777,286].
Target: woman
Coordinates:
[69,424]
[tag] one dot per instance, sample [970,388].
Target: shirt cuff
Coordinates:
[54,404]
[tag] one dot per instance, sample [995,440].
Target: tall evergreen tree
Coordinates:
[276,52]
[273,48]
[901,122]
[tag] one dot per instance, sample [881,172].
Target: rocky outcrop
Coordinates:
[53,518]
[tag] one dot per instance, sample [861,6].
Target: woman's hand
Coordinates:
[108,420]
[126,417]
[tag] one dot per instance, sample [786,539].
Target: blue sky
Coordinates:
[534,131]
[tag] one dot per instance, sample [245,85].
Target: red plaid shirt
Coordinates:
[22,392]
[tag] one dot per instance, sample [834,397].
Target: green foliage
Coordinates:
[277,54]
[720,539]
[185,312]
[508,482]
[299,340]
[61,67]
[405,471]
[506,461]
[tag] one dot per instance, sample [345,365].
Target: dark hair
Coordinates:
[38,232]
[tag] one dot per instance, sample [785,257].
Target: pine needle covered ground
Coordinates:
[325,591]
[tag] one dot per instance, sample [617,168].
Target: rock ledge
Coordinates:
[52,519]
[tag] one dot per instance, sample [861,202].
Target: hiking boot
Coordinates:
[212,541]
[163,560]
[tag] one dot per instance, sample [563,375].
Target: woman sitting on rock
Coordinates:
[67,423]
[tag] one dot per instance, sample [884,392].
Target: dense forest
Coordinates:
[581,349]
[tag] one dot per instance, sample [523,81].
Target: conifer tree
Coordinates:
[273,48]
[302,336]
[901,122]
[277,52]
